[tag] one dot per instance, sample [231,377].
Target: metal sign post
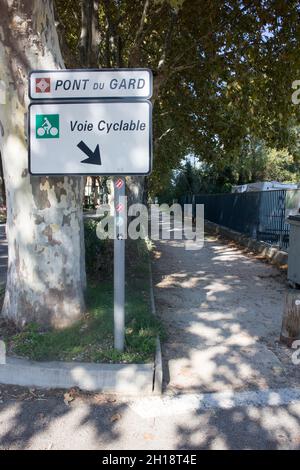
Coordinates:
[119,263]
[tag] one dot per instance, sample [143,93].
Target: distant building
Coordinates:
[96,191]
[264,186]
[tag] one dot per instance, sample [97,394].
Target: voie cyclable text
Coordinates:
[107,127]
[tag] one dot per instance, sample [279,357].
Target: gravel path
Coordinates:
[222,310]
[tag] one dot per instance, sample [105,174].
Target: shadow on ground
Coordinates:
[42,420]
[222,311]
[45,420]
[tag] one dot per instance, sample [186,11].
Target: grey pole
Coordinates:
[119,263]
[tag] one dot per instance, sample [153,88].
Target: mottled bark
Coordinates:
[46,272]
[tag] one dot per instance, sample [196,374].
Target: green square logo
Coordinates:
[47,126]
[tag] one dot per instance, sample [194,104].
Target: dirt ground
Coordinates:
[222,309]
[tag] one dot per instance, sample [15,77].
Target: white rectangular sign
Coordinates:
[89,84]
[90,138]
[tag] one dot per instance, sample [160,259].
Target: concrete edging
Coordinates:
[128,379]
[277,257]
[158,368]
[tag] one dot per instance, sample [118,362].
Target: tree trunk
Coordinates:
[46,272]
[88,43]
[2,184]
[290,330]
[135,189]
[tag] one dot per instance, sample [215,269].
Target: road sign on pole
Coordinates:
[94,122]
[90,138]
[86,84]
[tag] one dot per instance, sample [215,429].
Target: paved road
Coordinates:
[39,421]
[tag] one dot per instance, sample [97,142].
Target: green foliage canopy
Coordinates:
[223,70]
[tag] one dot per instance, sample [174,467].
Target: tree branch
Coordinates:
[134,54]
[181,68]
[164,134]
[161,73]
[164,73]
[89,29]
[114,43]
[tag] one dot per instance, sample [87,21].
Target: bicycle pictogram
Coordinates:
[47,126]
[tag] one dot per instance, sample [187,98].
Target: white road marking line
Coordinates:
[168,406]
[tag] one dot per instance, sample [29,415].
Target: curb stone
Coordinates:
[277,257]
[158,368]
[125,379]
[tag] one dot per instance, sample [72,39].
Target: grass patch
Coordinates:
[2,215]
[91,339]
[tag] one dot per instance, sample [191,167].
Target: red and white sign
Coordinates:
[119,183]
[42,85]
[120,207]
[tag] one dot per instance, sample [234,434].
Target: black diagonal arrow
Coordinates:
[94,157]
